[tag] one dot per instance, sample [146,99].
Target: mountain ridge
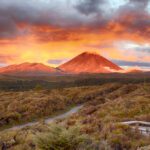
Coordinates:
[29,69]
[86,62]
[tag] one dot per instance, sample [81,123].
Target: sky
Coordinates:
[54,31]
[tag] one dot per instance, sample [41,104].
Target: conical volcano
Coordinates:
[88,62]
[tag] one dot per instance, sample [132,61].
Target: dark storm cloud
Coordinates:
[8,27]
[88,7]
[14,13]
[10,15]
[93,14]
[131,63]
[134,17]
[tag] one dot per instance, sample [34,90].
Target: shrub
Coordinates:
[61,138]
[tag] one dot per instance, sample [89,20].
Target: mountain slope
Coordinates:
[89,63]
[29,69]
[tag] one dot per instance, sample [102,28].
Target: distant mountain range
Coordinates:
[86,62]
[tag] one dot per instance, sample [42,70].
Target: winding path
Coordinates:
[48,120]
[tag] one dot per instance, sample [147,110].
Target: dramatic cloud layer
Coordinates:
[43,30]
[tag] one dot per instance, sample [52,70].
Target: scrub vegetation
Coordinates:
[96,126]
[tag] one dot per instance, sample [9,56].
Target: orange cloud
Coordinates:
[43,43]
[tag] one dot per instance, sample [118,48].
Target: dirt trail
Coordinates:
[48,120]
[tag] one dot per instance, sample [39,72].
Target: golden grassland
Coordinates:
[102,116]
[105,106]
[24,106]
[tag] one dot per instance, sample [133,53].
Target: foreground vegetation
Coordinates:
[97,126]
[63,139]
[20,107]
[102,116]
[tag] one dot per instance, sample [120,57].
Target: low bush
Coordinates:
[60,138]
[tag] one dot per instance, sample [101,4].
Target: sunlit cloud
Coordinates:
[52,31]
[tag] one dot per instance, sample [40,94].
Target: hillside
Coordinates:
[30,69]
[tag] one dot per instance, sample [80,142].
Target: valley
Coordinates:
[20,83]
